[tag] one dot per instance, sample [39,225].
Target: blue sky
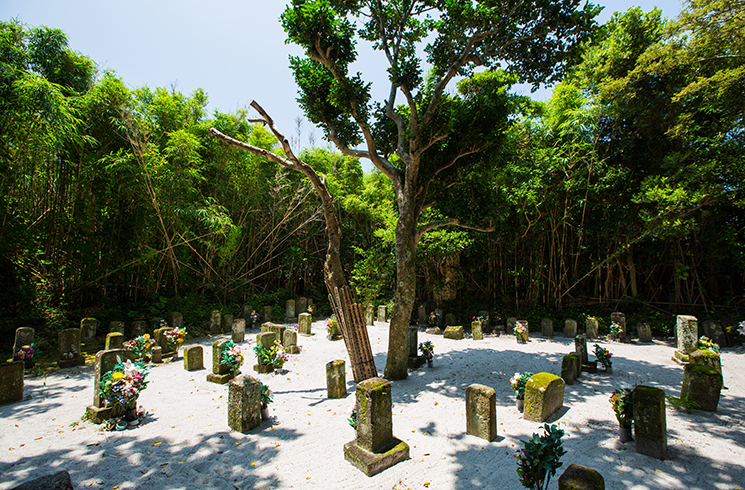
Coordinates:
[233,49]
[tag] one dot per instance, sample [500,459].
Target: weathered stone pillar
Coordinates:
[645,332]
[215,321]
[687,335]
[193,358]
[11,382]
[547,327]
[244,403]
[481,411]
[304,323]
[114,340]
[336,379]
[570,328]
[476,331]
[544,394]
[650,424]
[591,327]
[88,328]
[702,385]
[382,313]
[580,347]
[238,333]
[289,341]
[290,309]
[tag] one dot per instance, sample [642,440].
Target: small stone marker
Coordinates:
[525,337]
[702,385]
[69,346]
[24,336]
[547,327]
[11,382]
[650,424]
[246,313]
[375,448]
[370,315]
[290,309]
[279,330]
[714,331]
[707,358]
[455,333]
[422,314]
[619,318]
[433,331]
[591,327]
[304,322]
[476,331]
[568,368]
[449,319]
[244,403]
[415,360]
[687,335]
[382,313]
[215,321]
[220,372]
[137,328]
[176,320]
[117,327]
[267,314]
[238,331]
[105,362]
[570,328]
[301,305]
[156,354]
[645,332]
[511,323]
[336,379]
[481,412]
[578,477]
[266,340]
[193,358]
[114,340]
[289,340]
[159,335]
[56,481]
[226,323]
[580,347]
[544,394]
[88,329]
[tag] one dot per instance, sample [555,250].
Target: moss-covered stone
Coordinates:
[373,463]
[304,322]
[374,416]
[567,369]
[577,363]
[193,358]
[578,477]
[114,340]
[244,403]
[11,382]
[650,424]
[544,394]
[218,347]
[701,384]
[454,332]
[481,411]
[336,379]
[476,331]
[706,358]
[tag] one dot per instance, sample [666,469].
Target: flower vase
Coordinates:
[609,369]
[175,353]
[624,433]
[520,402]
[429,362]
[264,412]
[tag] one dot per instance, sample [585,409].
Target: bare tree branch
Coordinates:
[422,229]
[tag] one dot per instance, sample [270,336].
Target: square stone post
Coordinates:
[547,327]
[687,334]
[370,315]
[290,309]
[193,358]
[645,332]
[304,322]
[382,313]
[215,321]
[476,331]
[267,314]
[238,333]
[650,424]
[114,340]
[336,379]
[88,329]
[591,327]
[11,382]
[290,342]
[244,403]
[481,412]
[580,347]
[570,328]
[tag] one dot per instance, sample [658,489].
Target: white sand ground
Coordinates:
[185,441]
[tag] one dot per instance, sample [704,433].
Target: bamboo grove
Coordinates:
[626,185]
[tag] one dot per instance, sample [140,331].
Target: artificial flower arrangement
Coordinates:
[484,319]
[274,355]
[428,350]
[623,407]
[175,337]
[332,326]
[232,357]
[603,356]
[616,329]
[311,309]
[518,382]
[538,461]
[267,396]
[140,345]
[25,353]
[434,317]
[704,343]
[121,386]
[518,330]
[353,418]
[254,317]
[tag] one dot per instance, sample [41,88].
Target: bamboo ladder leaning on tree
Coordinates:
[348,314]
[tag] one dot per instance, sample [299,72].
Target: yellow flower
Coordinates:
[117,376]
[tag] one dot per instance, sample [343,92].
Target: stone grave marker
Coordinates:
[370,315]
[526,333]
[246,313]
[117,327]
[511,323]
[577,477]
[24,336]
[244,403]
[569,368]
[304,322]
[382,313]
[88,329]
[580,347]
[227,323]
[620,318]
[650,424]
[591,327]
[645,332]
[570,328]
[159,336]
[422,315]
[481,412]
[547,327]
[11,382]
[454,333]
[415,360]
[707,358]
[266,340]
[544,395]
[137,328]
[302,305]
[215,322]
[105,362]
[267,314]
[687,335]
[290,309]
[336,379]
[289,340]
[193,358]
[449,319]
[713,330]
[176,320]
[220,372]
[476,330]
[114,340]
[156,354]
[702,385]
[238,333]
[69,348]
[375,449]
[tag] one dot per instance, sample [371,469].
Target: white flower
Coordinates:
[741,330]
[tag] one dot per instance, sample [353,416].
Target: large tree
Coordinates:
[422,144]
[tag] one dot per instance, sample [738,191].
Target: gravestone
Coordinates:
[525,336]
[56,481]
[11,382]
[266,340]
[476,331]
[511,322]
[481,412]
[336,379]
[105,362]
[578,477]
[415,360]
[547,327]
[449,319]
[137,328]
[117,327]
[88,329]
[591,327]
[24,336]
[580,347]
[440,317]
[244,403]
[382,313]
[454,333]
[215,322]
[304,323]
[433,331]
[279,330]
[374,449]
[290,309]
[156,355]
[176,320]
[687,335]
[707,358]
[568,368]
[246,313]
[619,318]
[645,332]
[650,425]
[289,340]
[576,363]
[238,333]
[267,314]
[701,385]
[570,328]
[220,372]
[193,358]
[159,335]
[114,340]
[227,323]
[370,315]
[69,348]
[713,330]
[302,305]
[544,395]
[422,314]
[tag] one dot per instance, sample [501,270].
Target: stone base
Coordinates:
[68,363]
[433,331]
[373,463]
[681,357]
[292,349]
[590,367]
[263,368]
[98,415]
[335,337]
[416,362]
[220,379]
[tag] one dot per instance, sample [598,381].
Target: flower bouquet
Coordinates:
[254,317]
[428,351]
[704,343]
[616,330]
[603,356]
[121,387]
[267,397]
[519,331]
[232,357]
[140,346]
[279,357]
[623,407]
[311,309]
[25,354]
[517,383]
[175,338]
[434,317]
